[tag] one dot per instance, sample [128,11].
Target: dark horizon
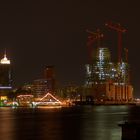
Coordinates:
[36,34]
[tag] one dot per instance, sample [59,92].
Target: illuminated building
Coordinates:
[108,80]
[48,100]
[119,92]
[40,87]
[46,84]
[5,79]
[5,73]
[123,73]
[98,71]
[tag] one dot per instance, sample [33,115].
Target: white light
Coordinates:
[5,87]
[5,60]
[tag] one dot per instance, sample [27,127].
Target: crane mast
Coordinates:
[120,30]
[126,54]
[92,37]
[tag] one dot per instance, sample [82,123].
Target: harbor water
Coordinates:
[66,123]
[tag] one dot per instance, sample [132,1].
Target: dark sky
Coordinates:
[52,32]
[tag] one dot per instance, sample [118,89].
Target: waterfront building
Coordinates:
[40,87]
[5,75]
[119,92]
[108,80]
[47,84]
[98,71]
[5,79]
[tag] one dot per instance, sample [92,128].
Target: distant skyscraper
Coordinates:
[40,87]
[5,73]
[47,84]
[49,75]
[49,72]
[98,71]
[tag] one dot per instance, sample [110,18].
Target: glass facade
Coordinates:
[102,70]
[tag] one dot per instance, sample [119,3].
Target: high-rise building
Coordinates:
[5,73]
[46,84]
[40,87]
[49,76]
[106,79]
[98,71]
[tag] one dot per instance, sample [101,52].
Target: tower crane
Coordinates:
[126,54]
[120,30]
[126,60]
[93,36]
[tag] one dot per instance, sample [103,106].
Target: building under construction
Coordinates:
[107,80]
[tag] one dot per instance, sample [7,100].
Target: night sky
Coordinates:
[40,33]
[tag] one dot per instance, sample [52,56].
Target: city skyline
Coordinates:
[53,33]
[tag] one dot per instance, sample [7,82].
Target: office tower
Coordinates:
[49,76]
[5,73]
[46,84]
[98,71]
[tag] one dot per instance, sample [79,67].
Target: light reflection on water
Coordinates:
[75,123]
[102,123]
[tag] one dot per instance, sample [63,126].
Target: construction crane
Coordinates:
[126,60]
[126,54]
[93,36]
[120,30]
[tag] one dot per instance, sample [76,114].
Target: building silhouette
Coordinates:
[5,73]
[46,84]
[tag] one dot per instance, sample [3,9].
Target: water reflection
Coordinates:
[76,123]
[101,123]
[7,124]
